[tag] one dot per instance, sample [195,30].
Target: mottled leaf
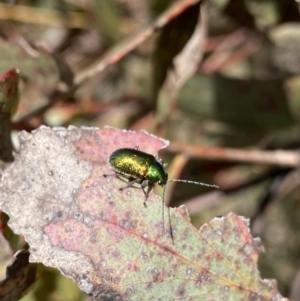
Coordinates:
[76,220]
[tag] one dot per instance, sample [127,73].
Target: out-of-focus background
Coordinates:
[219,79]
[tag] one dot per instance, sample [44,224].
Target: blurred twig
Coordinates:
[276,157]
[225,51]
[185,64]
[123,48]
[113,56]
[175,169]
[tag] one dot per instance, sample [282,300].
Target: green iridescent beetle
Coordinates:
[139,167]
[144,169]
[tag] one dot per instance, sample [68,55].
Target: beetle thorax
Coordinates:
[157,174]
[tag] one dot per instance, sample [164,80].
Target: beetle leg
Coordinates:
[121,177]
[130,183]
[144,184]
[108,175]
[149,186]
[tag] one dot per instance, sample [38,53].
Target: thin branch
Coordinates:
[116,53]
[276,157]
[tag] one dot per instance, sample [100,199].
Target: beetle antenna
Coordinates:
[193,182]
[169,216]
